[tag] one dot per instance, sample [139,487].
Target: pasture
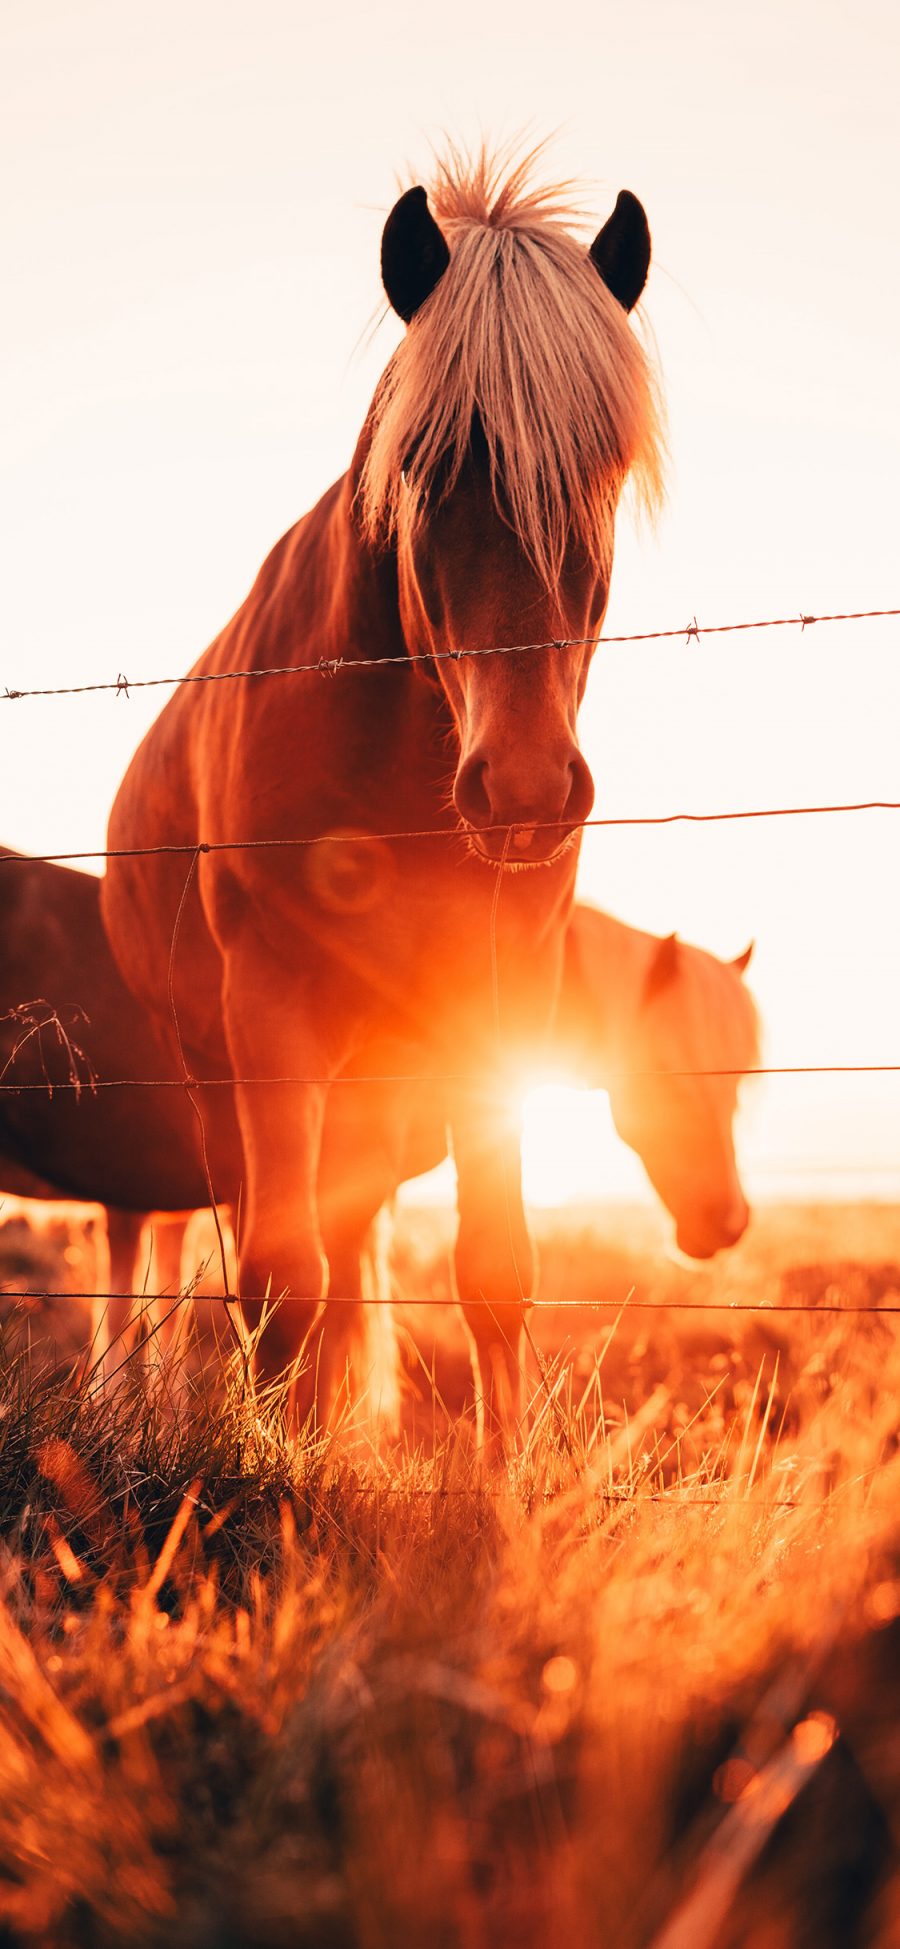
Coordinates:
[636,1688]
[559,1600]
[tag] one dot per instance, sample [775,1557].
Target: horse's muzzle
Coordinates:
[524,813]
[702,1238]
[520,845]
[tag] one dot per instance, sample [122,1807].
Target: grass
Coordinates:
[638,1689]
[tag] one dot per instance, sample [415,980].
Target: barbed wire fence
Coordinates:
[331,668]
[334,666]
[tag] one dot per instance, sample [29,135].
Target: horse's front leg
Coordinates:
[114,1313]
[493,1260]
[164,1236]
[281,1262]
[359,1172]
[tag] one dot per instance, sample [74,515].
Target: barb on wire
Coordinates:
[457,833]
[330,666]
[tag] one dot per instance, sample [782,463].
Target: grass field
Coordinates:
[639,1689]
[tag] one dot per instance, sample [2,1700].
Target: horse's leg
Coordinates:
[342,1347]
[493,1259]
[359,1172]
[112,1321]
[281,1258]
[170,1309]
[359,1294]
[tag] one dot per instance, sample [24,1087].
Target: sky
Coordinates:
[190,236]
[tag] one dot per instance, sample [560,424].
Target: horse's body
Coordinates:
[478,511]
[66,1014]
[631,1006]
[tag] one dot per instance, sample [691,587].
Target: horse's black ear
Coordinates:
[414,254]
[621,250]
[663,967]
[741,962]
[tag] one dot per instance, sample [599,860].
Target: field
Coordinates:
[641,1688]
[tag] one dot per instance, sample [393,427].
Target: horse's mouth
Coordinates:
[520,846]
[705,1245]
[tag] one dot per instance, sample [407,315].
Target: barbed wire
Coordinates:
[771,1309]
[333,666]
[458,833]
[191,1082]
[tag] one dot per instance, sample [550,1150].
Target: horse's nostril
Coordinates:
[581,791]
[494,792]
[470,793]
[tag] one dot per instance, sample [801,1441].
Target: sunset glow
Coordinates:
[450,974]
[570,1150]
[186,368]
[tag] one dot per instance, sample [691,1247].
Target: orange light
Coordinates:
[570,1150]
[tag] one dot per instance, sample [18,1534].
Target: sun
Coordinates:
[571,1155]
[570,1151]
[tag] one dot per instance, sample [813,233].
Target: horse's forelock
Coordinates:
[521,335]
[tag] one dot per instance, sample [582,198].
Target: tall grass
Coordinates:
[634,1689]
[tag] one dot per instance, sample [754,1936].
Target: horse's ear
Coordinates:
[741,962]
[662,969]
[621,250]
[414,254]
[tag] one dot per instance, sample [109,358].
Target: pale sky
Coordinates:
[190,233]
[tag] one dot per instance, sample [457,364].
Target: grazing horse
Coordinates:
[478,511]
[666,1028]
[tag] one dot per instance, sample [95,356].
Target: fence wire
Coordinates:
[770,1309]
[333,666]
[458,834]
[88,1087]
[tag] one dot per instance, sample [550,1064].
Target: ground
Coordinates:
[639,1688]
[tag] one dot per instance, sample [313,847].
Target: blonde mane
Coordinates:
[522,332]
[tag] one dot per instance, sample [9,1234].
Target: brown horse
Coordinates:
[478,511]
[66,1016]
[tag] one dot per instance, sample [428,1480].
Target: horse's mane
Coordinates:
[608,966]
[521,332]
[718,1009]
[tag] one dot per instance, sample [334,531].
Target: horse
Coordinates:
[666,1028]
[640,1016]
[478,512]
[67,1018]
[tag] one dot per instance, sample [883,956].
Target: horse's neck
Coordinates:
[606,967]
[354,585]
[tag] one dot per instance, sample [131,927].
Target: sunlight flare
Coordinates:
[570,1150]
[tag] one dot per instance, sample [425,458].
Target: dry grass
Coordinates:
[639,1690]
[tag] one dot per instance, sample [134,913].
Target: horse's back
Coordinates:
[70,1018]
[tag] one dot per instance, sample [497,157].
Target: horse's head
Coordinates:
[500,439]
[693,1014]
